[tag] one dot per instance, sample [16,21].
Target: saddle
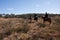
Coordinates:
[46,18]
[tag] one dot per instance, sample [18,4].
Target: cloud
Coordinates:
[10,9]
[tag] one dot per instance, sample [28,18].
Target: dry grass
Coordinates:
[21,29]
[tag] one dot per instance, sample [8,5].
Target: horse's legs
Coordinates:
[36,19]
[50,21]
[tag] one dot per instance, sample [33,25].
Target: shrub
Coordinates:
[8,32]
[57,21]
[41,25]
[24,28]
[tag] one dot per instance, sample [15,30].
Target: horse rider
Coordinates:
[35,17]
[46,15]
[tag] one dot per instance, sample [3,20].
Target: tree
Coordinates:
[0,15]
[7,16]
[12,15]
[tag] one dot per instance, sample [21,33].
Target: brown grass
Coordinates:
[21,29]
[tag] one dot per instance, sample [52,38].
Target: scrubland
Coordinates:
[21,29]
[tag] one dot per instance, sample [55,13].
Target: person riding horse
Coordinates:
[35,17]
[46,15]
[46,18]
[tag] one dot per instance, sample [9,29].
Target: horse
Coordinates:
[46,19]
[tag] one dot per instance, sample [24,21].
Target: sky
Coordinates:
[29,6]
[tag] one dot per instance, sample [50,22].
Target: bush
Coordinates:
[57,21]
[24,28]
[41,25]
[8,32]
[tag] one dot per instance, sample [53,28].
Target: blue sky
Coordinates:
[29,6]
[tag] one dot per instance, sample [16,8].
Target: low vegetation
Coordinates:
[21,29]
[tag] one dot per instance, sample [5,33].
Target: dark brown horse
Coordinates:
[46,19]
